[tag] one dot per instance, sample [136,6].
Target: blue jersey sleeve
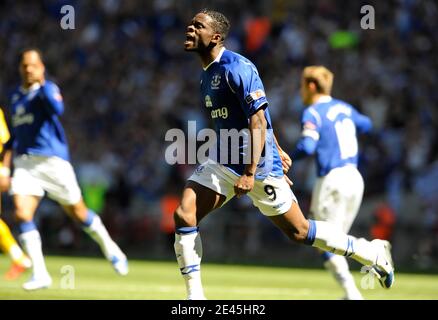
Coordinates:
[51,95]
[362,122]
[245,82]
[311,124]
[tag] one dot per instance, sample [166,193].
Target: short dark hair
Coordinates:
[220,24]
[38,51]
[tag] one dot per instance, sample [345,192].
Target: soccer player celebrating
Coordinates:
[329,130]
[235,99]
[20,262]
[41,164]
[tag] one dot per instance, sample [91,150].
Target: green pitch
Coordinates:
[95,279]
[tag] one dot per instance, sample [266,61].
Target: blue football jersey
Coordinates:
[232,91]
[330,129]
[35,125]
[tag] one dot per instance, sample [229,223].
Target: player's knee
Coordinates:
[184,217]
[23,215]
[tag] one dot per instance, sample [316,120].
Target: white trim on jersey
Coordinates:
[316,115]
[324,99]
[311,134]
[217,59]
[228,82]
[33,87]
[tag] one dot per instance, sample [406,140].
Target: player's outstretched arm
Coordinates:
[362,122]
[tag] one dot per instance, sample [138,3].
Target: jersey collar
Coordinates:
[324,99]
[218,58]
[33,87]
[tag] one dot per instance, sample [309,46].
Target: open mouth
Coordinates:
[189,38]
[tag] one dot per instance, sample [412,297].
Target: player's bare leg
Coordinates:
[325,236]
[25,207]
[93,226]
[197,201]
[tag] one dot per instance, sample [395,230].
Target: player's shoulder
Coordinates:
[51,84]
[341,102]
[235,62]
[310,113]
[326,105]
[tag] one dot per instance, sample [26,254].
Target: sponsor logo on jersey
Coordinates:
[219,113]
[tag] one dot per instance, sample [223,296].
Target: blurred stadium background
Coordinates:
[126,80]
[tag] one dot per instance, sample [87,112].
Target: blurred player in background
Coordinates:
[41,164]
[233,95]
[20,262]
[330,127]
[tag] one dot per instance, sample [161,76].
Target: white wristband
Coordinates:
[5,172]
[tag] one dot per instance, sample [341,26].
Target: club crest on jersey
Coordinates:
[208,103]
[215,81]
[20,110]
[21,117]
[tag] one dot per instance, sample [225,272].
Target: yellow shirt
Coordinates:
[4,132]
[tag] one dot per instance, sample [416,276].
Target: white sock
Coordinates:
[15,253]
[327,237]
[31,242]
[98,233]
[188,250]
[338,267]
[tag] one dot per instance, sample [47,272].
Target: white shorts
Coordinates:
[336,197]
[272,195]
[34,175]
